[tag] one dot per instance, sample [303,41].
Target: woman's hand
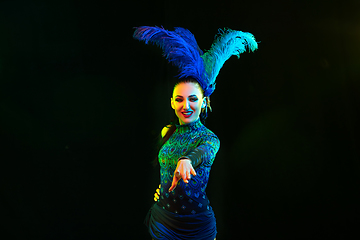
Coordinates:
[183,171]
[157,194]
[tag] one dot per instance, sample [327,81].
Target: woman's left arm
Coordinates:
[204,153]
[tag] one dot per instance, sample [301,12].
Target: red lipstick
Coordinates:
[187,114]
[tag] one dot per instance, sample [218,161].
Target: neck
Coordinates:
[190,126]
[182,123]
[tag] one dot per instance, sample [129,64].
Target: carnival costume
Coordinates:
[185,213]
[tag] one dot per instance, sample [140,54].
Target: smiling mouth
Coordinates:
[187,114]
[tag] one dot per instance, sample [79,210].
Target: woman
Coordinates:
[183,210]
[185,161]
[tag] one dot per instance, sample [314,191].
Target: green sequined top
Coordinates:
[187,198]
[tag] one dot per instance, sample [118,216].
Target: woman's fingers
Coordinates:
[188,173]
[183,171]
[186,176]
[157,194]
[174,183]
[192,171]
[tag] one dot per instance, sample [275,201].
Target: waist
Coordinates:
[183,204]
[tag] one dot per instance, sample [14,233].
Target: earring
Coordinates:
[204,104]
[208,103]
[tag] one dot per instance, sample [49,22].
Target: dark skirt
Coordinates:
[163,224]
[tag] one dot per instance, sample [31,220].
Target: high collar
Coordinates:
[189,127]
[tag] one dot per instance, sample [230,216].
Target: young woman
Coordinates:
[183,210]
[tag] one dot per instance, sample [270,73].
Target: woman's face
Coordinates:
[187,101]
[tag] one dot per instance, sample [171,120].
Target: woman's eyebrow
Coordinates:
[193,95]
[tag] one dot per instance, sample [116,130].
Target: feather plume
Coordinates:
[179,47]
[227,43]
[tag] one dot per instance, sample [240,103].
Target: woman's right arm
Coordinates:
[157,192]
[165,130]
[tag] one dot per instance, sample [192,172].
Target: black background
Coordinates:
[82,104]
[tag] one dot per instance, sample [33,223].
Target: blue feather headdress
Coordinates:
[181,49]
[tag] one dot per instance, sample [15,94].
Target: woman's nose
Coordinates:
[186,105]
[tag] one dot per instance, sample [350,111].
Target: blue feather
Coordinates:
[227,43]
[179,47]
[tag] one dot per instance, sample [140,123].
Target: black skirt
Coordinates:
[163,224]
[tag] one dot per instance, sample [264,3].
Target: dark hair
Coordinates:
[172,124]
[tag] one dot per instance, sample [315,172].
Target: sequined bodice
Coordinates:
[187,198]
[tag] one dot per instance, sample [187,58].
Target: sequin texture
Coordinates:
[191,197]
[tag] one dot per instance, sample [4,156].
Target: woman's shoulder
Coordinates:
[208,133]
[165,130]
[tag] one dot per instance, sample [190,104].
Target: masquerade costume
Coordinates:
[166,219]
[185,212]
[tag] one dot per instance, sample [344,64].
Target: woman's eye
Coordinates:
[178,99]
[193,99]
